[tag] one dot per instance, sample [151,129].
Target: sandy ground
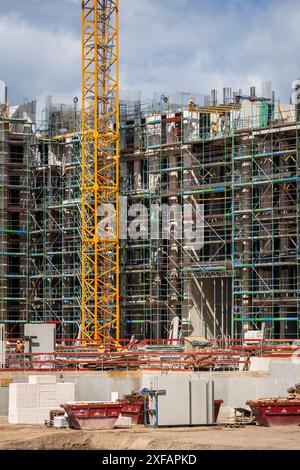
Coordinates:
[251,437]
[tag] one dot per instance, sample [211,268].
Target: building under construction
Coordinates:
[237,159]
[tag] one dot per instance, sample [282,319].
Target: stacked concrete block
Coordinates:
[29,416]
[42,379]
[23,395]
[47,394]
[30,403]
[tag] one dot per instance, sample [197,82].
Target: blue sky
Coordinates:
[175,45]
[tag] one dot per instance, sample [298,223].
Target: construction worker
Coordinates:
[175,131]
[247,361]
[19,347]
[191,105]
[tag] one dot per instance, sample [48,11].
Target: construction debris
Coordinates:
[234,425]
[293,394]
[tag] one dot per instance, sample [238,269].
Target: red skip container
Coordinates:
[133,409]
[276,413]
[218,404]
[92,415]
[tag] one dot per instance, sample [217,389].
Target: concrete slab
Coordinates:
[261,364]
[42,337]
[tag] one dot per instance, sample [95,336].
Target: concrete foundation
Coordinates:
[270,380]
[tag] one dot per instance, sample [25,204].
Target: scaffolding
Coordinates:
[265,228]
[239,160]
[163,280]
[55,219]
[15,146]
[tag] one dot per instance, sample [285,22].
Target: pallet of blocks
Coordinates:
[54,414]
[30,403]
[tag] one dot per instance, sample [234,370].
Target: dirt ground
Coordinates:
[23,437]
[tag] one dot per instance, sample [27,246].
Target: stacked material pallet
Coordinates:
[60,422]
[30,403]
[54,414]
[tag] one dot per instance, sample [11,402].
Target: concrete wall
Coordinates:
[3,401]
[209,307]
[100,388]
[42,337]
[268,378]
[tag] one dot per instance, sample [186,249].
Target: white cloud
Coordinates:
[189,45]
[35,60]
[168,45]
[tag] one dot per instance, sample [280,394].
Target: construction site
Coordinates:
[149,263]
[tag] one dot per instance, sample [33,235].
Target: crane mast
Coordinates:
[100,171]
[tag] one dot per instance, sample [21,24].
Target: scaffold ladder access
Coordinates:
[100,170]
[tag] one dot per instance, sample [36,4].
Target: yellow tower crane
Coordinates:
[100,171]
